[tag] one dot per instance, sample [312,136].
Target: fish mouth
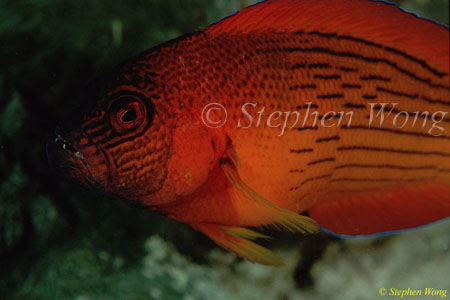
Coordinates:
[67,146]
[65,159]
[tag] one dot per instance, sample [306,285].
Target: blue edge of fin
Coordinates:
[385,1]
[386,233]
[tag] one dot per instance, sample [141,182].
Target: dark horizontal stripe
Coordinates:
[323,160]
[421,62]
[444,170]
[387,166]
[439,101]
[330,96]
[345,69]
[337,115]
[351,86]
[370,97]
[316,178]
[352,105]
[109,143]
[105,139]
[114,143]
[387,48]
[396,93]
[303,86]
[375,77]
[327,77]
[363,58]
[99,132]
[397,131]
[298,151]
[93,125]
[328,139]
[438,85]
[298,66]
[319,66]
[307,128]
[96,133]
[296,171]
[380,179]
[392,150]
[152,74]
[128,169]
[312,105]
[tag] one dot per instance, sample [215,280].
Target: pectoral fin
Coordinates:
[238,239]
[283,218]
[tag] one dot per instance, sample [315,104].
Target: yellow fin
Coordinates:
[245,233]
[232,238]
[285,218]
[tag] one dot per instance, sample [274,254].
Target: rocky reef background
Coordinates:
[58,241]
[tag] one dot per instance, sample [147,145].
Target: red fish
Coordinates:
[336,108]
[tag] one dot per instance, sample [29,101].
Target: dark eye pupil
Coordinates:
[128,116]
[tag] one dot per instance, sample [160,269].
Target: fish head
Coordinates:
[118,140]
[131,139]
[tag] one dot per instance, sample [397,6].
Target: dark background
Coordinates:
[58,241]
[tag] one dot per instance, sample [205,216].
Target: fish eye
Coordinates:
[128,116]
[127,113]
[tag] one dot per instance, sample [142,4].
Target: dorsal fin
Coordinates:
[376,21]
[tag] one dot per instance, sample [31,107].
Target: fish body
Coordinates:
[322,108]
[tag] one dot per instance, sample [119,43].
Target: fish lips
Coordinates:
[67,160]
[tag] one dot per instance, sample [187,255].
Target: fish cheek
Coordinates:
[139,163]
[192,158]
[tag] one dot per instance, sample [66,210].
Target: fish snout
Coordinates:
[82,162]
